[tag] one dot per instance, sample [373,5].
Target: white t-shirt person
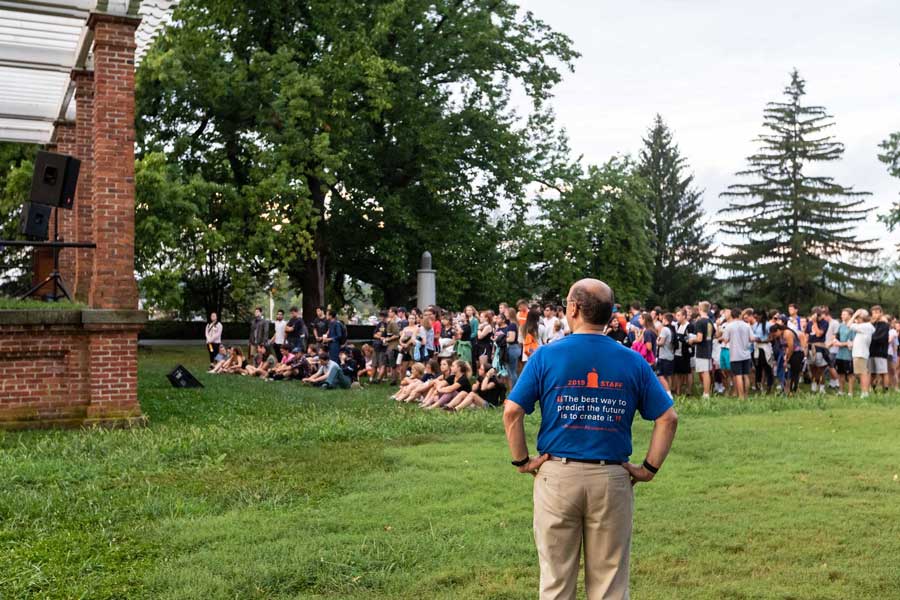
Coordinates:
[280,333]
[862,339]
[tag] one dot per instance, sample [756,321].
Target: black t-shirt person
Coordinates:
[707,328]
[295,336]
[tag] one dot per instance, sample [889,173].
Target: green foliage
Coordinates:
[891,157]
[680,239]
[796,239]
[594,226]
[247,489]
[15,181]
[353,136]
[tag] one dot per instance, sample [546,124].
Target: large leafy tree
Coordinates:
[680,239]
[352,136]
[593,225]
[16,164]
[794,232]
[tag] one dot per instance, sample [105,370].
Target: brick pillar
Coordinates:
[65,144]
[84,150]
[112,284]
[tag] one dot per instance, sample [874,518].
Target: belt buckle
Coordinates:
[565,460]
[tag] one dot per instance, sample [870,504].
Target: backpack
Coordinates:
[644,350]
[342,333]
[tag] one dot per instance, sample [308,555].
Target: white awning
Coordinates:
[41,42]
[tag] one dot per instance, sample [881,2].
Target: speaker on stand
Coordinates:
[52,186]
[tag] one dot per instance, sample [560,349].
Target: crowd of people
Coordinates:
[452,361]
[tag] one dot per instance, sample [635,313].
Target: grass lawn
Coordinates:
[251,489]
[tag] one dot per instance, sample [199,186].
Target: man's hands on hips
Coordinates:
[533,465]
[637,472]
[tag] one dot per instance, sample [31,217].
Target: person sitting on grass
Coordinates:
[348,364]
[238,362]
[416,390]
[226,362]
[459,383]
[235,362]
[283,369]
[221,354]
[329,376]
[367,369]
[431,395]
[263,361]
[488,392]
[410,382]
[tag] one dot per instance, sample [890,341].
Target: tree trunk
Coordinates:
[315,269]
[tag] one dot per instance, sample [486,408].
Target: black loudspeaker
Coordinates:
[182,378]
[34,223]
[55,178]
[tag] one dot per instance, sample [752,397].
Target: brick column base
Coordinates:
[69,368]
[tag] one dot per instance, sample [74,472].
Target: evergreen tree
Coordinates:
[797,231]
[891,157]
[679,240]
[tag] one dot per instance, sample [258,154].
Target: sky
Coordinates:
[709,67]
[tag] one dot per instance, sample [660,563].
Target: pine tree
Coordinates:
[797,231]
[678,238]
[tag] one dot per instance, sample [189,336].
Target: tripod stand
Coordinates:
[54,277]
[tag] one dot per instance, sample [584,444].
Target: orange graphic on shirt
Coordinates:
[593,380]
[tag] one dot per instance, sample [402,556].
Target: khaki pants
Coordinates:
[581,504]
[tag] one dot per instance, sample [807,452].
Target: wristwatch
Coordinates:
[521,463]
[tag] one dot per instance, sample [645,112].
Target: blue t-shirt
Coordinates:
[589,388]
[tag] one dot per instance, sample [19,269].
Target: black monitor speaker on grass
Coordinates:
[182,378]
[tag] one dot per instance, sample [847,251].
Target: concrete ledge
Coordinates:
[129,317]
[40,317]
[37,316]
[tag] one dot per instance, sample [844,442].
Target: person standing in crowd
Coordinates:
[407,348]
[531,335]
[392,341]
[844,359]
[379,360]
[279,338]
[793,355]
[320,325]
[683,351]
[794,319]
[817,329]
[665,345]
[548,324]
[335,336]
[894,350]
[863,329]
[738,336]
[830,335]
[213,337]
[878,349]
[564,322]
[259,330]
[522,312]
[615,331]
[483,345]
[296,332]
[705,331]
[762,351]
[635,319]
[513,351]
[582,496]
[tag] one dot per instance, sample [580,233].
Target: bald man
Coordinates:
[589,389]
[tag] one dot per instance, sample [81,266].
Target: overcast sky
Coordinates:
[709,67]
